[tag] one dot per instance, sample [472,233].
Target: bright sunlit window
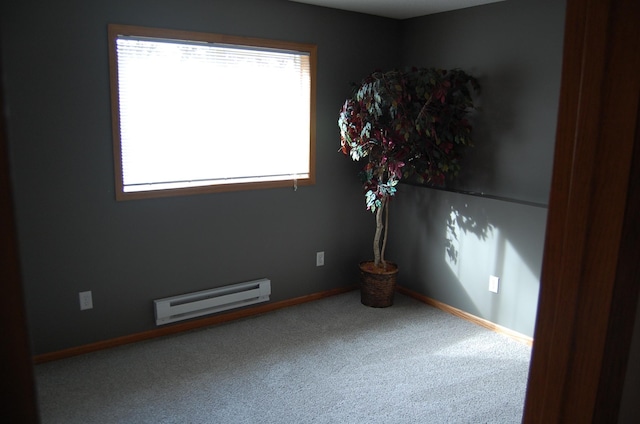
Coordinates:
[199,112]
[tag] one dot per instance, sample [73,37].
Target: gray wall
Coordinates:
[448,244]
[74,236]
[514,48]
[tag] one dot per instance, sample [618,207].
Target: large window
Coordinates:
[199,112]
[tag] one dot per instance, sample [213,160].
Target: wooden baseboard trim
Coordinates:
[244,313]
[467,316]
[186,326]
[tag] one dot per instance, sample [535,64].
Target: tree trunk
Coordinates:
[386,233]
[377,255]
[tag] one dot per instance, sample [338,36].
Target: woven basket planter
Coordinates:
[377,286]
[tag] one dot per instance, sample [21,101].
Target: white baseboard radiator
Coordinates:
[191,305]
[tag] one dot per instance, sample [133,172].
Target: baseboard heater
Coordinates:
[191,305]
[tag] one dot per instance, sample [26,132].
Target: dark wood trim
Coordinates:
[584,322]
[18,398]
[467,316]
[187,326]
[624,300]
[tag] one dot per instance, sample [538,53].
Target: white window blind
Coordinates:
[197,114]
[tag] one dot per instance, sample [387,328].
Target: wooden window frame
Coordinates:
[115,31]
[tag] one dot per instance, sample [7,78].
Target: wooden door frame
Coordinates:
[589,283]
[17,397]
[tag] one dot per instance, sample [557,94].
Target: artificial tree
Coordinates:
[406,124]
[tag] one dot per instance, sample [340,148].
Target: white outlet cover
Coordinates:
[319,258]
[86,300]
[494,282]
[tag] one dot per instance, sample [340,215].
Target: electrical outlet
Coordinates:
[319,258]
[493,283]
[86,301]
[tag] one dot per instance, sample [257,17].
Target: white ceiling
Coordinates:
[398,9]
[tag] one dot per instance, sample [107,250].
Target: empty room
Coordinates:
[191,239]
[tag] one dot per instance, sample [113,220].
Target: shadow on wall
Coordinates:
[464,220]
[494,126]
[449,244]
